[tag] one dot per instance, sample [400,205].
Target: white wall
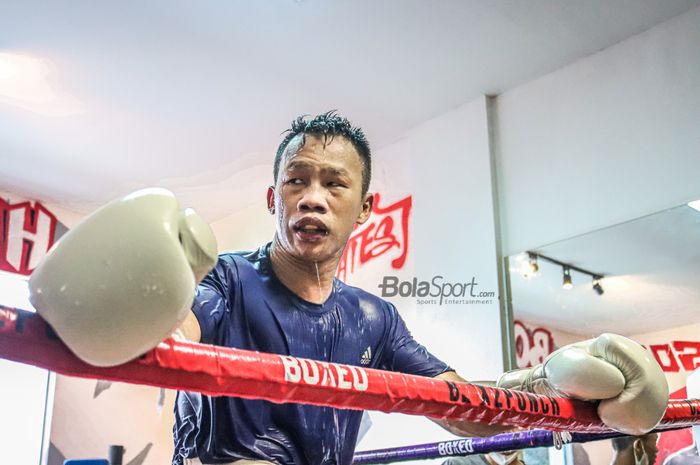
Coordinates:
[609,138]
[454,233]
[246,229]
[24,389]
[444,164]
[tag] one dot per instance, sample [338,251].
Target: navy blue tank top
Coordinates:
[242,304]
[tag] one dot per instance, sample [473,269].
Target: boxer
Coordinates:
[284,298]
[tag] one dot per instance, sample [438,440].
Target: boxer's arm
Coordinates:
[120,281]
[467,428]
[210,306]
[189,329]
[628,384]
[404,354]
[619,373]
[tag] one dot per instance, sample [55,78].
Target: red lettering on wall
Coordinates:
[531,346]
[26,233]
[688,353]
[385,232]
[677,355]
[663,355]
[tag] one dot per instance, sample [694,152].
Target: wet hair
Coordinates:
[328,125]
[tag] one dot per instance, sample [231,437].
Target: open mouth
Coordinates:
[310,229]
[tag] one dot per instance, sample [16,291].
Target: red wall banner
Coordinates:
[27,232]
[386,232]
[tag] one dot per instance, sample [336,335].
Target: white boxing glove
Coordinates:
[124,278]
[629,383]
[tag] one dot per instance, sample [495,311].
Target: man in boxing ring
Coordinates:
[284,298]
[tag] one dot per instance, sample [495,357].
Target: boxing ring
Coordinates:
[220,371]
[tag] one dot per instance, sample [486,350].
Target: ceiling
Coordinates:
[98,98]
[651,266]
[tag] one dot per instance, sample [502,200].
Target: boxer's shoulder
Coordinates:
[243,257]
[367,302]
[247,259]
[233,267]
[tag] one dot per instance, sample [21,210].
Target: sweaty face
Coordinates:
[318,197]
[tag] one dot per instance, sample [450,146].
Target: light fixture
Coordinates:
[531,266]
[532,262]
[567,284]
[597,286]
[695,205]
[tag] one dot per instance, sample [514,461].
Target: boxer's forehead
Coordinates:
[334,153]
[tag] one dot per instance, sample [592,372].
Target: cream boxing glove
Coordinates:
[630,385]
[124,278]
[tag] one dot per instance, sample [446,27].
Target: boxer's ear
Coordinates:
[271,200]
[367,205]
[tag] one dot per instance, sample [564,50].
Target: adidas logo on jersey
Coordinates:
[366,358]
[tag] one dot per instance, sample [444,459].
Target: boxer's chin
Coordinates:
[312,252]
[318,249]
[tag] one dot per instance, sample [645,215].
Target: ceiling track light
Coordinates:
[532,260]
[597,287]
[531,267]
[567,284]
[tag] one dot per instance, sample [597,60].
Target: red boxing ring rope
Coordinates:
[218,371]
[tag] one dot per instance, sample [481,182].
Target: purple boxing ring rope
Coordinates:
[474,446]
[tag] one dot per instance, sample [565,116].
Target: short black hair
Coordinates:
[329,125]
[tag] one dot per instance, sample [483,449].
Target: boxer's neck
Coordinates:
[312,281]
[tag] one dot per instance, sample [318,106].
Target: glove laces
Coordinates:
[531,384]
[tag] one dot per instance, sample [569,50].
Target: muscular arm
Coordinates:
[467,428]
[189,329]
[209,304]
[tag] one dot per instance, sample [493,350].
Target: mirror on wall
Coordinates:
[640,279]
